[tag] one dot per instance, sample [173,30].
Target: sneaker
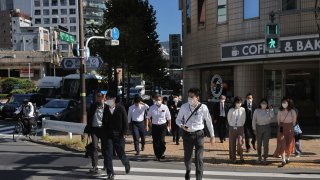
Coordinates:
[94,170]
[298,155]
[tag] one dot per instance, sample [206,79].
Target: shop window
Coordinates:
[201,12]
[188,15]
[250,9]
[289,5]
[222,11]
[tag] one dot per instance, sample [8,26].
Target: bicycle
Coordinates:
[20,129]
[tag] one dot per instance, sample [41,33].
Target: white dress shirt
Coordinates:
[136,113]
[237,117]
[196,121]
[27,110]
[222,110]
[159,115]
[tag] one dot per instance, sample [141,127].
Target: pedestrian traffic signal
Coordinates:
[272,36]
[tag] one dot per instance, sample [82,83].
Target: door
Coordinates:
[273,86]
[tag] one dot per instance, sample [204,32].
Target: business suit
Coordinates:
[248,131]
[174,110]
[221,119]
[115,125]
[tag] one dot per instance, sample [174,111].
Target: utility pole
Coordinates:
[82,65]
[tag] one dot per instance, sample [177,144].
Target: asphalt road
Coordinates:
[26,160]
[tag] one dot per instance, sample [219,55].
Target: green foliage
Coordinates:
[3,96]
[139,47]
[22,85]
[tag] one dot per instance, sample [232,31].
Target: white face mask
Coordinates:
[222,100]
[285,105]
[263,106]
[175,100]
[109,102]
[238,105]
[158,103]
[192,101]
[249,100]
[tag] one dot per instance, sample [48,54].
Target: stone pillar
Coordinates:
[248,79]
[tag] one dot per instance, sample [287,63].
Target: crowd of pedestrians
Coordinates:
[246,124]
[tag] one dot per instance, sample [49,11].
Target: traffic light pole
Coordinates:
[82,65]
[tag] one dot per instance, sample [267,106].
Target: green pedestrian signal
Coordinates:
[272,36]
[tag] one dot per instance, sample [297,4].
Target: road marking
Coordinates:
[6,128]
[135,177]
[222,173]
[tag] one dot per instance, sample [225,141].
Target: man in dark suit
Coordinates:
[174,105]
[115,125]
[220,111]
[250,107]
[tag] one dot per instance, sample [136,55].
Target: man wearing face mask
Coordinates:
[115,126]
[160,117]
[174,106]
[94,124]
[191,119]
[136,117]
[250,107]
[220,111]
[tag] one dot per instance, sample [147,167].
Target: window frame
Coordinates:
[226,7]
[188,16]
[298,5]
[251,18]
[201,24]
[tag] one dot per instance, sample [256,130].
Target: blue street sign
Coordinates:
[74,63]
[115,33]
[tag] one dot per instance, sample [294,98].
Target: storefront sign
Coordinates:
[289,46]
[25,73]
[216,87]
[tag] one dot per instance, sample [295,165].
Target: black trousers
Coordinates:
[96,134]
[248,132]
[222,127]
[175,131]
[118,143]
[138,130]
[28,122]
[158,137]
[191,140]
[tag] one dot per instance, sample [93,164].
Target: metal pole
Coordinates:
[82,65]
[29,72]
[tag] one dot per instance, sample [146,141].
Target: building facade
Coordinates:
[224,52]
[31,39]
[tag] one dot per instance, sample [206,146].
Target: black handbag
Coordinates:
[89,149]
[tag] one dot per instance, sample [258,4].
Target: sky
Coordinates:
[168,18]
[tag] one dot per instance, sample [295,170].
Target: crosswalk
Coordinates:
[6,131]
[173,174]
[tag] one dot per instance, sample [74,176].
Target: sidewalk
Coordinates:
[218,154]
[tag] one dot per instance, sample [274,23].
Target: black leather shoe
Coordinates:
[127,167]
[187,175]
[142,148]
[137,153]
[110,177]
[163,157]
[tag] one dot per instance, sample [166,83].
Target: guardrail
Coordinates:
[69,127]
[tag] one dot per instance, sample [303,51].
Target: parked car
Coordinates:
[7,110]
[60,109]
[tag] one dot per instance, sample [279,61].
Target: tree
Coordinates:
[139,47]
[16,85]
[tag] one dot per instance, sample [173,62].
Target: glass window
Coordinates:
[64,20]
[251,9]
[46,12]
[72,2]
[37,3]
[188,15]
[37,12]
[63,11]
[54,20]
[45,3]
[289,5]
[222,11]
[63,2]
[37,21]
[73,28]
[201,12]
[54,2]
[46,20]
[72,11]
[73,20]
[54,11]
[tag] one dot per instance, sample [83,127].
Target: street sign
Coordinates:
[112,42]
[74,63]
[115,33]
[66,37]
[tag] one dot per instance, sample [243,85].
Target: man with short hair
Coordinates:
[160,117]
[174,105]
[191,119]
[136,117]
[27,111]
[115,125]
[250,107]
[220,112]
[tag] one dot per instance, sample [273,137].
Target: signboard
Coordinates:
[74,63]
[24,73]
[289,46]
[66,37]
[175,49]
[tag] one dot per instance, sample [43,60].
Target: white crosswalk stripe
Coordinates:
[172,174]
[6,131]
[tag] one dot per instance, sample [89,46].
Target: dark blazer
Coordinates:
[173,108]
[249,114]
[216,110]
[90,113]
[115,124]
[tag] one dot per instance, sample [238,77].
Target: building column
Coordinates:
[248,79]
[191,79]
